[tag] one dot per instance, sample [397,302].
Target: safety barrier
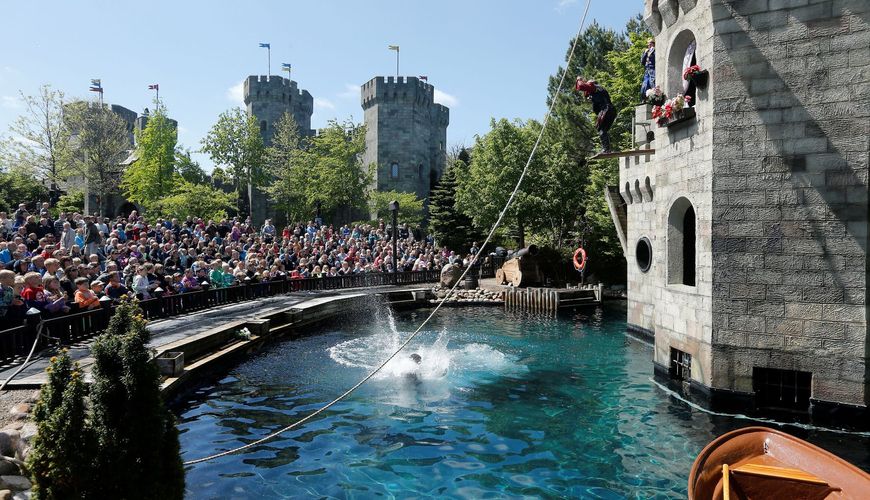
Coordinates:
[76,327]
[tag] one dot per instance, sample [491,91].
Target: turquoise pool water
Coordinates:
[502,405]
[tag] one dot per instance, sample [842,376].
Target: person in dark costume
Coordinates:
[601,106]
[648,61]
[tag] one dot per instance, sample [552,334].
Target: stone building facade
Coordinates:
[406,134]
[746,231]
[269,97]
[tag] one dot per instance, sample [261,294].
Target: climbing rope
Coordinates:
[449,293]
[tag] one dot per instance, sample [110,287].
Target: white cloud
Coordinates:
[351,91]
[446,99]
[236,93]
[8,101]
[563,4]
[320,103]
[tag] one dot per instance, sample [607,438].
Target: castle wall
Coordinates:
[792,102]
[404,126]
[678,176]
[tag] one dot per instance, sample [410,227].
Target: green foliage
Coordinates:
[59,461]
[283,164]
[19,186]
[101,143]
[410,207]
[195,200]
[451,228]
[39,139]
[152,175]
[136,435]
[188,168]
[235,143]
[73,201]
[332,167]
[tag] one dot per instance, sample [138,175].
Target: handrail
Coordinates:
[79,326]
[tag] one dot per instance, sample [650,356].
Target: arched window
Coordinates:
[394,170]
[682,254]
[420,172]
[682,54]
[263,126]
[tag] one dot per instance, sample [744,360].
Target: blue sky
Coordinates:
[486,58]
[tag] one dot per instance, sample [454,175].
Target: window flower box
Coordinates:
[680,116]
[673,111]
[697,76]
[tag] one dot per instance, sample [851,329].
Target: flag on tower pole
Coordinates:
[396,48]
[286,67]
[97,86]
[156,88]
[424,78]
[268,48]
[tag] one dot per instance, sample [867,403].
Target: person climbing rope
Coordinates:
[601,106]
[648,61]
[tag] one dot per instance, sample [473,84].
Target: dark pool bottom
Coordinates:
[502,405]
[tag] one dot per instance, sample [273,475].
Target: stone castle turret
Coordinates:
[269,97]
[406,134]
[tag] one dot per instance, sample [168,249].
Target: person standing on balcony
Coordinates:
[648,61]
[601,106]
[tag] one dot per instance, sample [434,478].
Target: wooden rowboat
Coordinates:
[757,463]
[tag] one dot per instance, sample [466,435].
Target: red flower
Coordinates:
[690,71]
[669,110]
[657,112]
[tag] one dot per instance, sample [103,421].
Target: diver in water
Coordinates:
[413,376]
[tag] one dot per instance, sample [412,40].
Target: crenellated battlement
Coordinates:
[405,89]
[440,115]
[274,88]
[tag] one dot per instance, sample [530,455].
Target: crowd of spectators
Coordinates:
[74,262]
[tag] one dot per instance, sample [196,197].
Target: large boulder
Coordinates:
[450,275]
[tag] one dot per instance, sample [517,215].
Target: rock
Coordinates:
[17,483]
[8,440]
[22,495]
[5,494]
[8,468]
[450,275]
[20,411]
[27,432]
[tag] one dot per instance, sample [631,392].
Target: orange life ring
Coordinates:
[581,265]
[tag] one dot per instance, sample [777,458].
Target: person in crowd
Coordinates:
[54,296]
[115,289]
[7,292]
[141,286]
[33,293]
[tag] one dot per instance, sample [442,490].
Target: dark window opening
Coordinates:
[782,389]
[394,170]
[681,365]
[643,254]
[263,126]
[420,172]
[689,247]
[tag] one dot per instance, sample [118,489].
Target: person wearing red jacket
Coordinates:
[601,106]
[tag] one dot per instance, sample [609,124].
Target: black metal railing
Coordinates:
[68,329]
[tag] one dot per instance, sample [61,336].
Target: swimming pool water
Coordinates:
[502,405]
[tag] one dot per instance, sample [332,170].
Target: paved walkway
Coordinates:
[165,331]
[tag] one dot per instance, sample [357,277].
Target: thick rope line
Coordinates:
[449,293]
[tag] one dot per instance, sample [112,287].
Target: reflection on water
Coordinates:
[500,405]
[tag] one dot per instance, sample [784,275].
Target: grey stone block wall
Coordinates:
[405,126]
[270,97]
[791,81]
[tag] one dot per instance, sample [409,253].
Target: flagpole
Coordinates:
[269,61]
[397,63]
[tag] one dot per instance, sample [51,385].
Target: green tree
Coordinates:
[19,186]
[286,186]
[332,167]
[73,201]
[188,168]
[235,142]
[138,442]
[450,227]
[99,143]
[410,207]
[195,200]
[39,138]
[60,462]
[152,175]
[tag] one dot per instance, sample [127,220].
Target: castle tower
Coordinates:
[406,134]
[268,98]
[746,232]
